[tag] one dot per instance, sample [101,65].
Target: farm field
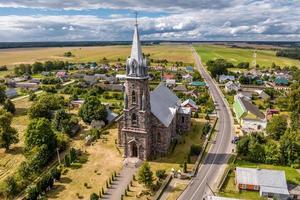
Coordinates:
[172,53]
[264,58]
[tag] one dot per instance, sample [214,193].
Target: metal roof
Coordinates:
[136,49]
[261,177]
[164,104]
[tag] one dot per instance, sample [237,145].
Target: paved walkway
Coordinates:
[119,186]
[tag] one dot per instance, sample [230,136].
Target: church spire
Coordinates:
[136,49]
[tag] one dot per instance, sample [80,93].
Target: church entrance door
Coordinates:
[134,150]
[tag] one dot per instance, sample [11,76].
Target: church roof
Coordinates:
[164,104]
[136,49]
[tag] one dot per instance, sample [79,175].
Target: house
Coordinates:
[90,79]
[62,75]
[168,76]
[245,94]
[193,93]
[189,69]
[101,76]
[11,93]
[76,103]
[78,75]
[262,94]
[180,88]
[224,78]
[248,115]
[27,85]
[189,103]
[281,81]
[188,78]
[294,191]
[111,116]
[112,87]
[45,73]
[198,84]
[121,76]
[170,82]
[217,198]
[269,183]
[231,86]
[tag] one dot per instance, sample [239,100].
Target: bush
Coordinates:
[195,150]
[160,174]
[73,155]
[206,128]
[67,160]
[94,196]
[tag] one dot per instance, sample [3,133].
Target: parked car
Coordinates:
[235,140]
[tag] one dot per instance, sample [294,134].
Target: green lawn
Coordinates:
[237,55]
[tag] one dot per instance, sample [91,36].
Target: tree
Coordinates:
[45,105]
[11,186]
[37,67]
[218,67]
[92,109]
[9,106]
[64,121]
[290,147]
[145,175]
[8,134]
[94,196]
[242,146]
[276,127]
[160,174]
[256,151]
[39,132]
[272,152]
[32,96]
[243,65]
[3,96]
[32,193]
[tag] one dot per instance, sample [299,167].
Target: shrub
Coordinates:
[195,150]
[67,160]
[160,174]
[94,196]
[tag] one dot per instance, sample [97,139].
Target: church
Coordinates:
[150,120]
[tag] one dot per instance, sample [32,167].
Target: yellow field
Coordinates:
[172,53]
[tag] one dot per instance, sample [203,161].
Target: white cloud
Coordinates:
[247,20]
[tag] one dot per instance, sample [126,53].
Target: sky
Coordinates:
[113,20]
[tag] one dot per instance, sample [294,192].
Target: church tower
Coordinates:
[135,133]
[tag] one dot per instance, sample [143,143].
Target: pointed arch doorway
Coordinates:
[134,150]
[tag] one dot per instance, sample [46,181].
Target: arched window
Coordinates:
[133,97]
[134,119]
[182,119]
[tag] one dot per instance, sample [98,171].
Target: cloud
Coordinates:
[185,20]
[120,4]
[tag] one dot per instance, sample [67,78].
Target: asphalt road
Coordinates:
[210,172]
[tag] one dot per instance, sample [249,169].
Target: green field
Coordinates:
[236,55]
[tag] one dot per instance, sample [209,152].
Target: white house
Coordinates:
[121,76]
[223,78]
[170,82]
[231,86]
[248,115]
[188,78]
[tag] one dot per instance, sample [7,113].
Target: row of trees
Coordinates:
[39,67]
[257,148]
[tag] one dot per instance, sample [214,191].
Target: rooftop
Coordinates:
[261,177]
